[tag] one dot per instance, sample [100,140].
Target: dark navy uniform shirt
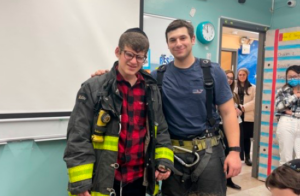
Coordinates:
[184,98]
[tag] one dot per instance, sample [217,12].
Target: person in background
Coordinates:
[285,179]
[230,79]
[246,93]
[287,105]
[117,140]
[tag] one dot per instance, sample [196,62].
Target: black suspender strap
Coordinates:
[208,85]
[209,88]
[160,74]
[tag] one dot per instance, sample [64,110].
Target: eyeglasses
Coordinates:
[293,77]
[130,55]
[230,78]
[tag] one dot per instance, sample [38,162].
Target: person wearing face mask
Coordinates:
[246,92]
[288,109]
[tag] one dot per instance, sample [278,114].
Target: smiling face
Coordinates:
[180,43]
[130,61]
[242,76]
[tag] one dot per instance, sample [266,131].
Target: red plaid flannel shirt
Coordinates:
[133,130]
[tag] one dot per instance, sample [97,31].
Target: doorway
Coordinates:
[232,25]
[229,59]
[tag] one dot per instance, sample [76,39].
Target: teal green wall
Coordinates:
[256,11]
[33,169]
[284,16]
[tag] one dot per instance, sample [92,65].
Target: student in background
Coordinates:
[246,93]
[230,80]
[288,109]
[285,180]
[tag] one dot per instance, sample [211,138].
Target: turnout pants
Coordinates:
[211,181]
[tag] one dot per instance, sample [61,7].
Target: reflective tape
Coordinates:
[70,194]
[109,143]
[155,131]
[156,189]
[98,194]
[164,153]
[81,172]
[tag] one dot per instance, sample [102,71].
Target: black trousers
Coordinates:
[248,134]
[211,181]
[134,188]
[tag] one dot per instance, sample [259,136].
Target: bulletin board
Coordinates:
[281,51]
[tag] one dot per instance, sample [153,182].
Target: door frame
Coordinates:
[261,29]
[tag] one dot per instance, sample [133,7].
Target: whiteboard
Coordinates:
[155,27]
[48,48]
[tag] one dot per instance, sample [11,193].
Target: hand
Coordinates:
[232,164]
[162,176]
[238,112]
[242,108]
[99,73]
[289,112]
[85,193]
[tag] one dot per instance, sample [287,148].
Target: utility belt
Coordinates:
[210,139]
[199,143]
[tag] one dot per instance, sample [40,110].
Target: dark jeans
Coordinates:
[211,181]
[135,188]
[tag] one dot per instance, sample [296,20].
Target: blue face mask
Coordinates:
[294,82]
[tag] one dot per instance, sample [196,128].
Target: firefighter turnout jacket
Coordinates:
[93,133]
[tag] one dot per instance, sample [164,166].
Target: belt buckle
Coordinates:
[208,134]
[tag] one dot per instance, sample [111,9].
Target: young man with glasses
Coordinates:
[117,141]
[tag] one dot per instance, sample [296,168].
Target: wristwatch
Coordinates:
[235,148]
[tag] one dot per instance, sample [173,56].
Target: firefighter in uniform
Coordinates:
[117,135]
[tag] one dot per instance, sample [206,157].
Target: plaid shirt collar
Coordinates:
[120,78]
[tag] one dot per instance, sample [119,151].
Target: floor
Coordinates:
[250,186]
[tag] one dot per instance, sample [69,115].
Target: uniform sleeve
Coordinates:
[79,153]
[222,92]
[163,149]
[249,106]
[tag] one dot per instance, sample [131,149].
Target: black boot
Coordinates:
[232,185]
[247,160]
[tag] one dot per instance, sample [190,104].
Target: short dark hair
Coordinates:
[284,177]
[178,24]
[135,40]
